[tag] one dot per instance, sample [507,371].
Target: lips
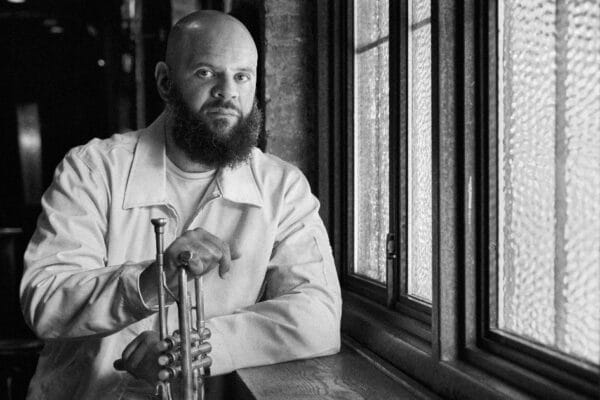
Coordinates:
[222,111]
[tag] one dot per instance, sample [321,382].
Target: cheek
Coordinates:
[247,100]
[195,96]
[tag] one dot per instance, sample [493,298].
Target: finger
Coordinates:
[234,250]
[203,250]
[230,253]
[131,347]
[225,261]
[209,251]
[183,243]
[119,365]
[213,243]
[127,362]
[235,254]
[206,256]
[137,356]
[219,251]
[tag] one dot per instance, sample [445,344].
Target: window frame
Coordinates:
[415,316]
[450,346]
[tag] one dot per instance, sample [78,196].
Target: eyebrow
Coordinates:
[205,64]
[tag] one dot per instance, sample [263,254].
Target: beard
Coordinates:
[215,144]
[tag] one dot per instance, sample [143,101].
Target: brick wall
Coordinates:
[290,67]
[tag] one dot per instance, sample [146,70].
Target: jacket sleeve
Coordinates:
[67,289]
[300,317]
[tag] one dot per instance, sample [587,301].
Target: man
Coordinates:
[248,218]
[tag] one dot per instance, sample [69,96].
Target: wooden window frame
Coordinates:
[414,317]
[450,347]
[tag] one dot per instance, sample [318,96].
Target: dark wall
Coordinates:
[290,83]
[83,84]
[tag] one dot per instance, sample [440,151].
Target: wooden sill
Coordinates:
[347,375]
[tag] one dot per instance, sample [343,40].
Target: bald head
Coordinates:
[207,32]
[208,83]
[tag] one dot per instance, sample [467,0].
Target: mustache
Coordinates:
[220,104]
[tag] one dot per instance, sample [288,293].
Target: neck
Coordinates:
[178,156]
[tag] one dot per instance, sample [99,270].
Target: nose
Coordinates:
[225,89]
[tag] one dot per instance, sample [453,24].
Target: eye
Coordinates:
[242,77]
[205,73]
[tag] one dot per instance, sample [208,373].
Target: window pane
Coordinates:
[419,150]
[371,137]
[549,174]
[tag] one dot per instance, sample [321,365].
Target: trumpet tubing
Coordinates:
[186,360]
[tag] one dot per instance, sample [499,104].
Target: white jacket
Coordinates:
[80,290]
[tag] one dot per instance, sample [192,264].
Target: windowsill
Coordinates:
[365,369]
[394,346]
[346,375]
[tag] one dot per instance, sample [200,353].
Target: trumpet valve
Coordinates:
[170,372]
[170,357]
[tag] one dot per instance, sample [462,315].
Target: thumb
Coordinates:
[235,253]
[230,254]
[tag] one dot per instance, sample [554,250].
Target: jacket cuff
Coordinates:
[130,290]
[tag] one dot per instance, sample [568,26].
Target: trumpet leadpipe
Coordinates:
[159,230]
[185,335]
[198,285]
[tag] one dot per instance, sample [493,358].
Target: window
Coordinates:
[462,189]
[543,271]
[370,136]
[419,157]
[548,175]
[389,162]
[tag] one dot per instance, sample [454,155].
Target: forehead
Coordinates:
[221,48]
[226,57]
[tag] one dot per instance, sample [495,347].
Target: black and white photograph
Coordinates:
[299,199]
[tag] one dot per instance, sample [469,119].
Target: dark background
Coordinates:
[87,67]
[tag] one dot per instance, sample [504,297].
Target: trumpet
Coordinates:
[184,360]
[185,357]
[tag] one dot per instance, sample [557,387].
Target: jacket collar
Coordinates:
[147,180]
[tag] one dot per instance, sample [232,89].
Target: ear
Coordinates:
[163,81]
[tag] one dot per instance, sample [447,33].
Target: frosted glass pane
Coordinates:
[549,174]
[371,138]
[419,151]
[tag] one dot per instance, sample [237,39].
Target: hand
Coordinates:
[140,357]
[207,251]
[146,355]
